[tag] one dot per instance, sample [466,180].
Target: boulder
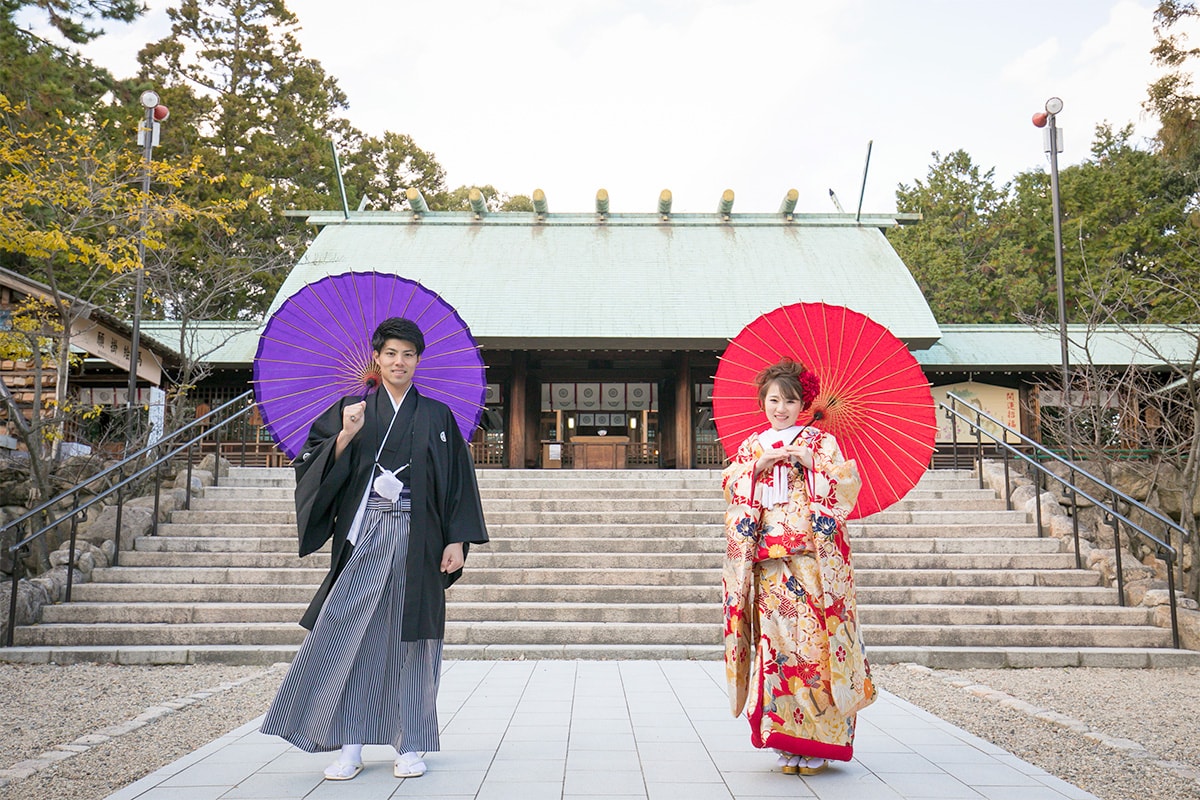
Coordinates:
[1023,495]
[1104,561]
[168,501]
[200,479]
[1189,625]
[210,461]
[1137,591]
[75,470]
[30,599]
[135,521]
[1061,527]
[1161,596]
[1136,478]
[87,556]
[1171,502]
[1050,506]
[15,493]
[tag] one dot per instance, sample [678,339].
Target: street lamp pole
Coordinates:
[147,137]
[1053,146]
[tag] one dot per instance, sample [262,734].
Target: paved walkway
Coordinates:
[528,730]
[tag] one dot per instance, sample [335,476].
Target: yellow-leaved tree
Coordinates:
[72,216]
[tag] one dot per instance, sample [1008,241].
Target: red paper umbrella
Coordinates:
[874,397]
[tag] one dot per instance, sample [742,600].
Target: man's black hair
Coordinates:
[398,328]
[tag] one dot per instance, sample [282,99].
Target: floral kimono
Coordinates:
[794,658]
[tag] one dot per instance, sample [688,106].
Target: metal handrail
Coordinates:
[1111,510]
[78,511]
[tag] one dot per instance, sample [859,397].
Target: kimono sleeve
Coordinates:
[836,482]
[462,510]
[320,479]
[742,517]
[836,487]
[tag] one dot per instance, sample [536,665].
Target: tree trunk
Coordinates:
[39,472]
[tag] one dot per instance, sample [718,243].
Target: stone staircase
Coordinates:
[607,564]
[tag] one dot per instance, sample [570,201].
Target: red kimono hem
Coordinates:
[805,747]
[794,744]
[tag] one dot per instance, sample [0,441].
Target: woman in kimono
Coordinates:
[794,658]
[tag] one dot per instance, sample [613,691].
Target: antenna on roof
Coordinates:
[337,167]
[836,204]
[863,191]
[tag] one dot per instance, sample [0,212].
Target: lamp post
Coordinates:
[148,129]
[1048,120]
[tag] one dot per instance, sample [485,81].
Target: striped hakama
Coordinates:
[353,681]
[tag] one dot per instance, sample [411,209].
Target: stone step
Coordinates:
[1025,615]
[874,529]
[282,509]
[710,594]
[249,560]
[280,544]
[210,575]
[575,632]
[485,558]
[995,544]
[311,574]
[930,656]
[122,593]
[659,529]
[537,491]
[302,593]
[1016,635]
[712,544]
[1005,657]
[711,529]
[976,577]
[1081,596]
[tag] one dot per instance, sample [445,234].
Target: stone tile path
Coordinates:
[659,730]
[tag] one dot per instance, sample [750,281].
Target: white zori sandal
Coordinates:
[408,765]
[341,771]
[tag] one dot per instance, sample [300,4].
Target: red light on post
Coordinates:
[1039,119]
[161,113]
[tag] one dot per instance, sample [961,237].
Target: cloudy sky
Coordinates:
[703,95]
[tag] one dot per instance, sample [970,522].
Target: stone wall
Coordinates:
[95,541]
[1144,574]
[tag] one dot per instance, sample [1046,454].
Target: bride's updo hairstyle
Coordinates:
[794,382]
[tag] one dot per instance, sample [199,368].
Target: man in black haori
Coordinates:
[389,478]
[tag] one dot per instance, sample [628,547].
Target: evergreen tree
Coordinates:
[959,254]
[260,113]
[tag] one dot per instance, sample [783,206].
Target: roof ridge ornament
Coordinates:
[788,206]
[416,201]
[540,207]
[664,204]
[478,203]
[602,203]
[725,207]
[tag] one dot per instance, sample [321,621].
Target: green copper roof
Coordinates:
[1026,348]
[630,281]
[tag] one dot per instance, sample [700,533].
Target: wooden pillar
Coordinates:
[516,433]
[685,446]
[533,420]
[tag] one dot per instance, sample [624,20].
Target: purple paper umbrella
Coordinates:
[317,348]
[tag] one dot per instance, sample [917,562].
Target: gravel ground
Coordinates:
[46,706]
[1158,709]
[53,705]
